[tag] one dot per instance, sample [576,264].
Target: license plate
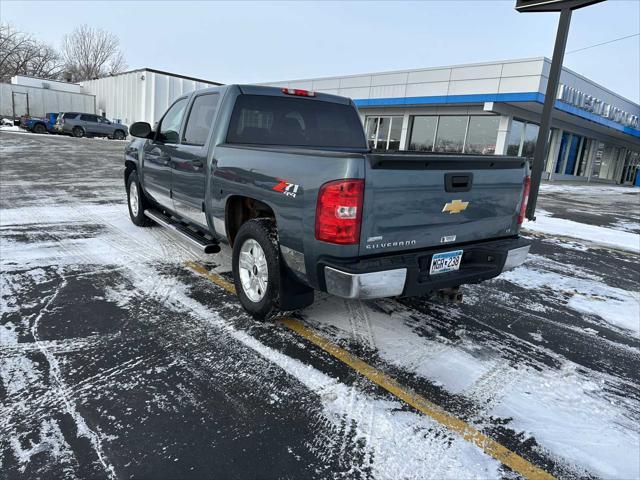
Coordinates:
[446,262]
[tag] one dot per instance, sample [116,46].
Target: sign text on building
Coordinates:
[589,103]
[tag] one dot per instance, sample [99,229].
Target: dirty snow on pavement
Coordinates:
[117,361]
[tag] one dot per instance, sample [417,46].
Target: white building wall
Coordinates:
[142,95]
[42,101]
[513,76]
[46,84]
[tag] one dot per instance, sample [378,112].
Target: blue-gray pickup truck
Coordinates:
[285,177]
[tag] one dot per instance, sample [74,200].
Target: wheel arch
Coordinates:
[129,166]
[239,209]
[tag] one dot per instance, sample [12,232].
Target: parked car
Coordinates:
[88,124]
[40,125]
[286,178]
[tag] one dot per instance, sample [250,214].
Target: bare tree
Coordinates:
[21,54]
[91,53]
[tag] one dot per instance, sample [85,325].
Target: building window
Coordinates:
[454,133]
[522,138]
[583,157]
[631,167]
[383,133]
[451,132]
[606,161]
[481,135]
[529,140]
[514,140]
[423,133]
[573,155]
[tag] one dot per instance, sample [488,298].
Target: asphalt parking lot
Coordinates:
[123,355]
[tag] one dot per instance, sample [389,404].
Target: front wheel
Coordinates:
[118,135]
[137,202]
[39,128]
[256,267]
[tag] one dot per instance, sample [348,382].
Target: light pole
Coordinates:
[565,7]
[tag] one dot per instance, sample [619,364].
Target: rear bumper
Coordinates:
[408,274]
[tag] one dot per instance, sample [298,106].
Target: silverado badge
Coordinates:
[455,206]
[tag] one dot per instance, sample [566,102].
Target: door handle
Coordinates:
[458,182]
[197,163]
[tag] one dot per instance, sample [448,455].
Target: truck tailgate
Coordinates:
[416,201]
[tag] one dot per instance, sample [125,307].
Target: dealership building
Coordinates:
[483,108]
[495,108]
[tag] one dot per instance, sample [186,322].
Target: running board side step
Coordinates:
[202,243]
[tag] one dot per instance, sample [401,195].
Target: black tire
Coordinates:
[118,135]
[39,128]
[78,132]
[136,209]
[264,232]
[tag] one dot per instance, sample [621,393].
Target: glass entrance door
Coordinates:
[631,166]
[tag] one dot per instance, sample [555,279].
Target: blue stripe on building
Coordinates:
[494,97]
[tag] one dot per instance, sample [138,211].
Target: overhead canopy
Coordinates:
[552,5]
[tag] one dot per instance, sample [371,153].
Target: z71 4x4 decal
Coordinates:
[288,188]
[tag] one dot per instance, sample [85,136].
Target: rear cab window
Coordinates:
[304,122]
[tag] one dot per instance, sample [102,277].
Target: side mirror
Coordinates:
[140,129]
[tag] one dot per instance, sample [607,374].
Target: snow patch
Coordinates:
[608,237]
[617,307]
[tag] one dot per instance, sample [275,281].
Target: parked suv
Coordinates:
[91,125]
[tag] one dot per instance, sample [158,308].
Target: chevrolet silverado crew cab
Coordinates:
[286,178]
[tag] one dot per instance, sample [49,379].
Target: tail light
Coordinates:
[525,199]
[61,120]
[299,92]
[339,211]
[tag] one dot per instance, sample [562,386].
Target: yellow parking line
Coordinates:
[217,279]
[417,401]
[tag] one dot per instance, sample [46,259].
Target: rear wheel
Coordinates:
[39,128]
[78,132]
[118,135]
[137,202]
[256,267]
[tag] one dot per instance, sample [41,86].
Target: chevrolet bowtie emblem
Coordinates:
[455,206]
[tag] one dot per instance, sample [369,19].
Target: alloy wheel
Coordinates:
[133,198]
[254,273]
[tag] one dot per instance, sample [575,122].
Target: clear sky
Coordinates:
[244,42]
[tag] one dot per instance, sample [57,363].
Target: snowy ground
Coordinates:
[116,361]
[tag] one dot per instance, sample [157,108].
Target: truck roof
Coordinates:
[274,91]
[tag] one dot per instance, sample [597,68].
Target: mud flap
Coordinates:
[294,295]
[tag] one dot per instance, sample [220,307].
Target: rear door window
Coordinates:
[88,118]
[200,119]
[273,120]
